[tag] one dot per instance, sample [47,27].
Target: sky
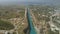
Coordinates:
[38,1]
[30,0]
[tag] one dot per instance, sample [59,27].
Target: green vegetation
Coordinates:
[14,32]
[8,33]
[4,25]
[51,32]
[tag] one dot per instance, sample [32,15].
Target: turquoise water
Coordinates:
[32,29]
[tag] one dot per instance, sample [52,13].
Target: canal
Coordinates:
[30,23]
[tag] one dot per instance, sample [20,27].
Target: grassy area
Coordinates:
[4,25]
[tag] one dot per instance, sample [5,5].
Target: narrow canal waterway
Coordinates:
[29,18]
